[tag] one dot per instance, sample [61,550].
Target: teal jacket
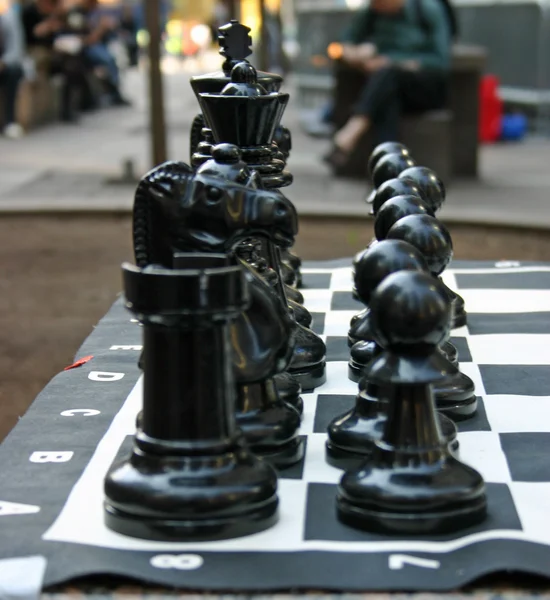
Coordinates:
[402,37]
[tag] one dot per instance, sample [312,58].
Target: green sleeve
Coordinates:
[356,33]
[438,54]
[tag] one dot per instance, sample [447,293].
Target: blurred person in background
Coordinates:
[12,54]
[98,29]
[403,50]
[44,22]
[128,30]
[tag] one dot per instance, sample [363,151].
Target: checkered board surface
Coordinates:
[53,464]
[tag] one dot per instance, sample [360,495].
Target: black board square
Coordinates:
[527,455]
[530,280]
[479,422]
[337,348]
[520,380]
[501,323]
[345,301]
[295,471]
[322,522]
[330,406]
[316,281]
[461,344]
[318,326]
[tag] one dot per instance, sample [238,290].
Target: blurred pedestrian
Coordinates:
[46,33]
[12,54]
[128,29]
[98,29]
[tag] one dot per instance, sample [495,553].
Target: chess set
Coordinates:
[242,421]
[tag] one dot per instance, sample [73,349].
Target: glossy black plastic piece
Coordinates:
[396,208]
[249,250]
[390,166]
[372,267]
[289,390]
[411,484]
[428,235]
[391,188]
[351,436]
[433,240]
[191,475]
[262,340]
[176,210]
[234,119]
[382,150]
[235,46]
[432,189]
[454,395]
[245,116]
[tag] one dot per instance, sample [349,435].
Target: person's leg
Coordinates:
[98,55]
[423,90]
[378,107]
[11,78]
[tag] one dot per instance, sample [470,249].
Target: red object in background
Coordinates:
[490,110]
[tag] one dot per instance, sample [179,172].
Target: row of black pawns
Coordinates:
[399,444]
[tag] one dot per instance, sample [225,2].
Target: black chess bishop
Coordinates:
[411,483]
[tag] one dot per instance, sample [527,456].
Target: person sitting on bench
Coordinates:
[403,47]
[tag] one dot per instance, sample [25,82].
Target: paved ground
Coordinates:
[64,168]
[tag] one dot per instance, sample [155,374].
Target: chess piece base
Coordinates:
[289,390]
[282,457]
[417,499]
[312,378]
[361,434]
[167,491]
[170,530]
[445,520]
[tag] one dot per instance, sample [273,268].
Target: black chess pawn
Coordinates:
[191,475]
[390,189]
[430,186]
[372,268]
[433,239]
[396,208]
[411,483]
[382,150]
[455,394]
[351,436]
[390,166]
[375,265]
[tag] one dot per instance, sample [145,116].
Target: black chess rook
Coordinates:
[191,474]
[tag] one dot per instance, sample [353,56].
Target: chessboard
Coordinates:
[53,463]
